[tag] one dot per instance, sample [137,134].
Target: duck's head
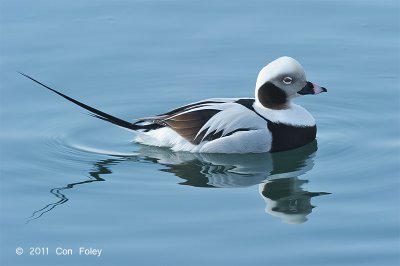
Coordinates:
[282,80]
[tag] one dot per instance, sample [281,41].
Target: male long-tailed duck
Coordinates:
[270,122]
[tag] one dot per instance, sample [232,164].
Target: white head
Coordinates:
[282,80]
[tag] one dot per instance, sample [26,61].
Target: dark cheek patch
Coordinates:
[270,96]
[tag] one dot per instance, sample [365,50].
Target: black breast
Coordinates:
[287,137]
[284,137]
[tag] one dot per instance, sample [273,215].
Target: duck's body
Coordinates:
[232,125]
[269,122]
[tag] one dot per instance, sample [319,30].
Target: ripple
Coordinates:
[82,142]
[344,135]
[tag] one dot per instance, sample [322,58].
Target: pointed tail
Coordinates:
[94,112]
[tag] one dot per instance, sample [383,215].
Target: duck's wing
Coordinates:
[207,120]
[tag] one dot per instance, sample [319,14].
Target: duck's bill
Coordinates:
[311,88]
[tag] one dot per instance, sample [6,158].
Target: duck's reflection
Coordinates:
[276,174]
[285,199]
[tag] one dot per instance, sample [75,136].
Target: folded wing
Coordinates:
[206,120]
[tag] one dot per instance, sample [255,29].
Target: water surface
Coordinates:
[69,180]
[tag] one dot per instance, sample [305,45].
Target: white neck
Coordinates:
[294,115]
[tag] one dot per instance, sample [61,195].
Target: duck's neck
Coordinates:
[293,114]
[291,128]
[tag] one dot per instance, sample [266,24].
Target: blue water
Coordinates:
[69,180]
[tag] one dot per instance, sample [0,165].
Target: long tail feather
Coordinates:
[96,113]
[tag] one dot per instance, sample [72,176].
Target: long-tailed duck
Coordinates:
[270,122]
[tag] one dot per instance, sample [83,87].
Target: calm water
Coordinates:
[69,180]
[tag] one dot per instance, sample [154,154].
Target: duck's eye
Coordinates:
[287,80]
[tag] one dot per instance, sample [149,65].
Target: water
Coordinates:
[69,180]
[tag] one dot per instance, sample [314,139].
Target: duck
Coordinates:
[269,122]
